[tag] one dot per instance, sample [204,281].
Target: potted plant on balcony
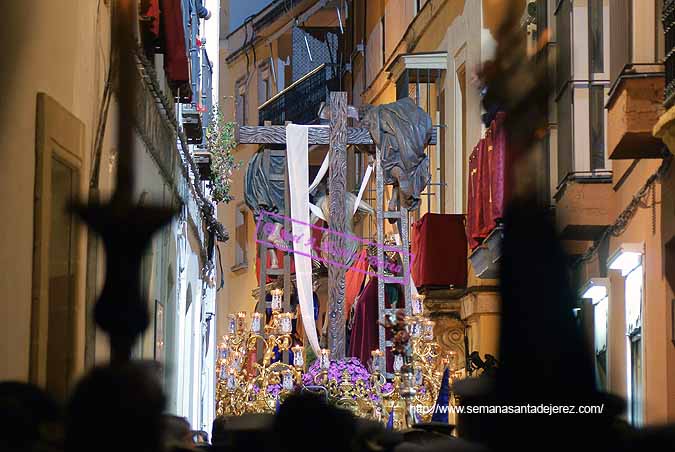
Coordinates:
[220,142]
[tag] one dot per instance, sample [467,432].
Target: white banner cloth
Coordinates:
[297,158]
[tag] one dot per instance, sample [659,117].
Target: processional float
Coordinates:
[251,378]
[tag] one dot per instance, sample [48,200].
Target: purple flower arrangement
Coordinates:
[274,390]
[355,369]
[353,366]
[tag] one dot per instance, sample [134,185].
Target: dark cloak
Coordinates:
[261,193]
[402,131]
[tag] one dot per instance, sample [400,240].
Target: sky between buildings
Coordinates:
[241,9]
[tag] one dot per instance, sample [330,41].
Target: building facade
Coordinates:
[60,146]
[599,167]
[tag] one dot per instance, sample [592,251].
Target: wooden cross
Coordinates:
[338,136]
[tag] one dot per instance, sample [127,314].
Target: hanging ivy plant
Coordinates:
[220,142]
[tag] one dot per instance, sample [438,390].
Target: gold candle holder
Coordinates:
[231,323]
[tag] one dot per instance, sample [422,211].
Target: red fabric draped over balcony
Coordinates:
[176,60]
[150,11]
[487,184]
[439,250]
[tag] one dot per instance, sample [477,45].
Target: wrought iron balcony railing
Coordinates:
[299,103]
[669,31]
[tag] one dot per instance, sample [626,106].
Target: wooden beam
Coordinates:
[317,135]
[337,186]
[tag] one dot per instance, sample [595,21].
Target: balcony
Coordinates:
[192,123]
[300,102]
[582,212]
[634,107]
[665,127]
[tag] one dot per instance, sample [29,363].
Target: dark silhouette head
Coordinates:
[29,418]
[116,408]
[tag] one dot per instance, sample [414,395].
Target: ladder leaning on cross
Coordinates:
[338,136]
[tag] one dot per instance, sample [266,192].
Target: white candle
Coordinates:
[241,321]
[286,323]
[377,360]
[287,380]
[256,323]
[418,376]
[231,324]
[298,356]
[429,330]
[418,304]
[277,294]
[231,380]
[236,360]
[415,328]
[398,363]
[324,359]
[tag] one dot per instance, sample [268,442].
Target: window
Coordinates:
[241,238]
[563,16]
[621,32]
[600,316]
[595,36]
[460,134]
[597,129]
[264,83]
[565,134]
[633,300]
[241,106]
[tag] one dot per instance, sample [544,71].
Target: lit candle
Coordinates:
[452,360]
[398,363]
[277,294]
[256,323]
[231,324]
[241,321]
[415,327]
[377,360]
[298,356]
[418,304]
[287,380]
[231,380]
[324,359]
[418,376]
[236,360]
[428,330]
[286,324]
[222,350]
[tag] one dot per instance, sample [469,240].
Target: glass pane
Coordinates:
[595,36]
[61,281]
[564,39]
[565,151]
[597,116]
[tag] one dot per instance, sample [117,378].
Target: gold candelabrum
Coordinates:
[252,382]
[246,383]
